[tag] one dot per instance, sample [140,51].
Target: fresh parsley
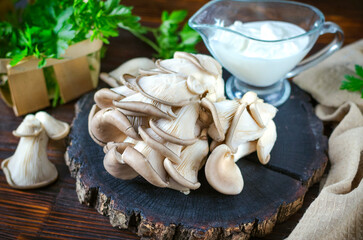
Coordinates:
[353,83]
[46,28]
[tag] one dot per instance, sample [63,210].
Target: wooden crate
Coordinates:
[76,73]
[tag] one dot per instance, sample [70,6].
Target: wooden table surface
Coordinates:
[54,212]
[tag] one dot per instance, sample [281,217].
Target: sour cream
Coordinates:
[263,54]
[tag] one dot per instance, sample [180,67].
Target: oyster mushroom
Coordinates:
[158,88]
[127,105]
[132,67]
[141,109]
[29,167]
[266,143]
[222,113]
[222,173]
[262,112]
[180,130]
[109,125]
[105,96]
[208,75]
[54,128]
[186,172]
[243,128]
[113,162]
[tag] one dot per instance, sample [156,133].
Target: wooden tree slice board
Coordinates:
[271,194]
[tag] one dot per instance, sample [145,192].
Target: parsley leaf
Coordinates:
[353,83]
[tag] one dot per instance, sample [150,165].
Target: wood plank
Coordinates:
[271,194]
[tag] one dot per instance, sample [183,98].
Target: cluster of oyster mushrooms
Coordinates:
[157,118]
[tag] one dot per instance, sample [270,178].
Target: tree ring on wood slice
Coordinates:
[271,194]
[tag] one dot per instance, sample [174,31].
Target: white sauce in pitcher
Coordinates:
[260,63]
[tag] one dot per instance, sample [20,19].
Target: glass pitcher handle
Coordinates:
[328,27]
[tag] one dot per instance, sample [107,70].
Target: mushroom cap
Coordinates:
[170,138]
[55,129]
[249,98]
[142,108]
[105,96]
[216,130]
[132,67]
[110,125]
[243,129]
[222,173]
[186,172]
[262,113]
[30,127]
[142,166]
[114,164]
[266,143]
[222,113]
[183,126]
[123,91]
[158,88]
[160,147]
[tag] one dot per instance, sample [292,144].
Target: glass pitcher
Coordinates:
[262,43]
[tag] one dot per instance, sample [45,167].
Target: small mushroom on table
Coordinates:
[29,167]
[157,121]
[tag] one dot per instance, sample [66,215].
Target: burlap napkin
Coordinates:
[337,212]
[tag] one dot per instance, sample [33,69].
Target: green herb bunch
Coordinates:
[47,28]
[353,83]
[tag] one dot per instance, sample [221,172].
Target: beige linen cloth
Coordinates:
[337,212]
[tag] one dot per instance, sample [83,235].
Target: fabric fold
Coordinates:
[337,212]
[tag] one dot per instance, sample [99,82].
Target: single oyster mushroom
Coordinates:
[211,81]
[126,161]
[109,125]
[222,113]
[186,172]
[54,128]
[144,108]
[243,129]
[222,173]
[180,130]
[113,162]
[266,143]
[29,167]
[249,98]
[158,88]
[132,67]
[262,113]
[105,96]
[141,109]
[142,165]
[115,78]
